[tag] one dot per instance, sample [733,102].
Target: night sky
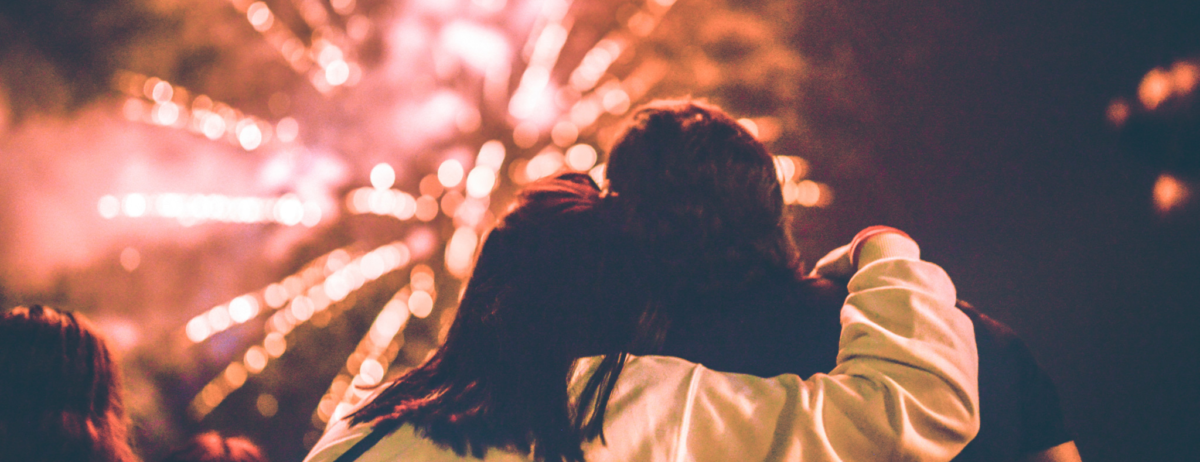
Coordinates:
[999,160]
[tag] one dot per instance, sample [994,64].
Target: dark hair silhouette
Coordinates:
[60,392]
[701,193]
[701,209]
[530,309]
[212,447]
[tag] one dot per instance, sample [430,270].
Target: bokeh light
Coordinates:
[450,173]
[1170,193]
[383,176]
[581,157]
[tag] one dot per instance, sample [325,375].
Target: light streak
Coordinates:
[192,209]
[368,364]
[158,102]
[295,300]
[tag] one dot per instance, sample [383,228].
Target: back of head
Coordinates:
[60,398]
[702,194]
[212,447]
[529,310]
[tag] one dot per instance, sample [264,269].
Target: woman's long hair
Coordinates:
[532,307]
[60,392]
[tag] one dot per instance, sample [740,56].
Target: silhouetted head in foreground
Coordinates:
[212,447]
[60,390]
[702,194]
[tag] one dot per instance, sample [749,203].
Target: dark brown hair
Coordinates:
[701,194]
[529,310]
[61,390]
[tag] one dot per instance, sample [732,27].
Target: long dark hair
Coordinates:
[530,309]
[701,194]
[60,396]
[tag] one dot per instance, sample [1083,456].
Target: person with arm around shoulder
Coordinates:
[536,366]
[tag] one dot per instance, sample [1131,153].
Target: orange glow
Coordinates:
[371,372]
[336,260]
[161,92]
[808,193]
[1154,89]
[791,193]
[275,295]
[427,208]
[302,308]
[526,135]
[615,101]
[420,303]
[130,259]
[235,375]
[450,202]
[1118,113]
[544,164]
[1169,193]
[212,395]
[421,278]
[784,167]
[564,133]
[430,186]
[275,344]
[256,359]
[260,16]
[267,405]
[1184,76]
[517,171]
[585,112]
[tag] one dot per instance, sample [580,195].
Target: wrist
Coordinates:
[878,242]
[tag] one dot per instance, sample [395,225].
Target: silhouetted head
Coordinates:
[531,307]
[212,447]
[702,194]
[60,396]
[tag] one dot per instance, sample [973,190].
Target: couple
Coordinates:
[554,354]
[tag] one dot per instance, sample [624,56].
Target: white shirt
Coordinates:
[904,389]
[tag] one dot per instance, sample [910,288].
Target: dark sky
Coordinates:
[998,158]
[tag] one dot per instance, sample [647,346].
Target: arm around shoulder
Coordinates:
[905,387]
